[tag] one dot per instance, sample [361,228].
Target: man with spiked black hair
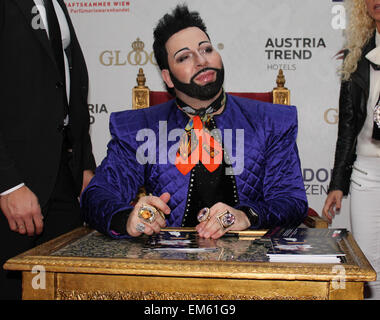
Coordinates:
[199,186]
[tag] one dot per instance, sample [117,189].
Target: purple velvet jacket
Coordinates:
[266,162]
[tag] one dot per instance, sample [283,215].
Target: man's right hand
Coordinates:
[159,203]
[333,204]
[23,212]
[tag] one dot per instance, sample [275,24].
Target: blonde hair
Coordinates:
[359,30]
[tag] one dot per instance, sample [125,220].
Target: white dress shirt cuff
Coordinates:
[12,189]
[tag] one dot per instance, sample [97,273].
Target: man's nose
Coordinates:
[200,59]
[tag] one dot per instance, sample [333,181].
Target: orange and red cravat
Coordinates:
[198,144]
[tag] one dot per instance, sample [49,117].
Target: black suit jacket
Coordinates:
[31,103]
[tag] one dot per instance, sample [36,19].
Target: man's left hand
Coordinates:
[211,228]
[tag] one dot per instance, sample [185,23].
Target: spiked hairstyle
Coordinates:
[180,18]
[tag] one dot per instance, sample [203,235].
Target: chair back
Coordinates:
[143,97]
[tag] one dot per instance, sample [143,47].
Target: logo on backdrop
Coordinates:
[316,181]
[95,110]
[331,115]
[138,56]
[95,6]
[285,53]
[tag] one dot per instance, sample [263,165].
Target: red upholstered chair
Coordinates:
[142,97]
[157,97]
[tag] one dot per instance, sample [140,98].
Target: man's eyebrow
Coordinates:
[186,48]
[202,42]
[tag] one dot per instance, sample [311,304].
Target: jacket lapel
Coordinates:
[361,75]
[31,13]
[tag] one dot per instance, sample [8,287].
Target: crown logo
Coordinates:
[138,45]
[138,56]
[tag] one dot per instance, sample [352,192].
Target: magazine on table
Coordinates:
[304,245]
[180,241]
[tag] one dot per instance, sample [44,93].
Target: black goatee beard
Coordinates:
[193,90]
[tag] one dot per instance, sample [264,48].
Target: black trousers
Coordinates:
[61,214]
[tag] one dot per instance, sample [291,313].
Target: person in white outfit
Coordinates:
[357,155]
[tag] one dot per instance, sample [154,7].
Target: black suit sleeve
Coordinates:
[9,175]
[1,16]
[89,160]
[80,82]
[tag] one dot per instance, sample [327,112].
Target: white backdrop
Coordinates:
[255,39]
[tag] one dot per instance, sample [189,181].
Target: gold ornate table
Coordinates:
[84,264]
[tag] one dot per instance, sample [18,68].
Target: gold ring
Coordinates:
[147,213]
[226,219]
[203,215]
[161,214]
